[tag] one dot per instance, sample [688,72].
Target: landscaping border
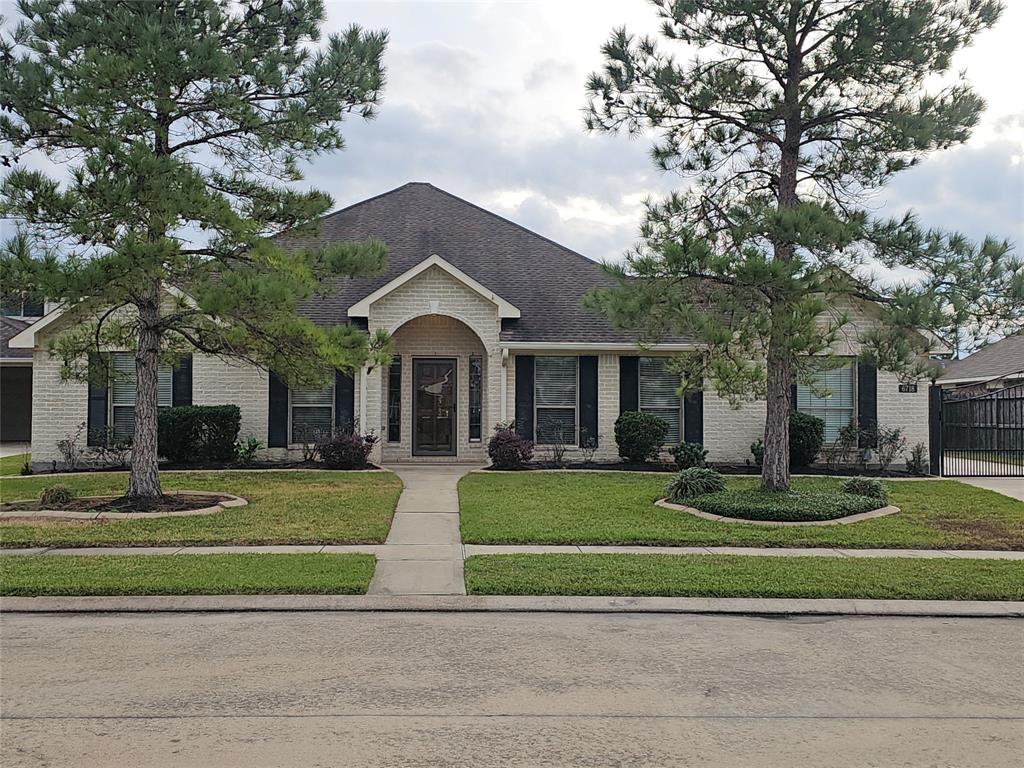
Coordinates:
[230,501]
[889,509]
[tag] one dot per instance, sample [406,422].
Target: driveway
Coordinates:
[1008,486]
[412,689]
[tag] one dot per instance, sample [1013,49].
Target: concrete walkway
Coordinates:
[422,554]
[1008,486]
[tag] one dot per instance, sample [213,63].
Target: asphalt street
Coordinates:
[498,689]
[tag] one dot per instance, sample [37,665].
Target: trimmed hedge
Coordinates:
[197,433]
[639,436]
[783,506]
[806,436]
[866,486]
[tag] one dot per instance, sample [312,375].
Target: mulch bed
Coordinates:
[725,469]
[171,502]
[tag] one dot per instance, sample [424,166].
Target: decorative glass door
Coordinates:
[433,407]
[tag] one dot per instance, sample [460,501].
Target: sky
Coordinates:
[485,100]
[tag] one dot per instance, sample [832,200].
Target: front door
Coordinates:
[433,407]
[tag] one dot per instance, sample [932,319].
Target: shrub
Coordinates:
[26,468]
[347,449]
[806,435]
[695,481]
[891,443]
[866,486]
[247,449]
[110,451]
[70,449]
[508,450]
[690,455]
[55,496]
[639,435]
[843,447]
[757,451]
[783,506]
[918,464]
[197,433]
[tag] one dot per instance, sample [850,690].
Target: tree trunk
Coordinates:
[144,480]
[775,465]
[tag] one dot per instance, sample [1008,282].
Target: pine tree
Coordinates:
[181,125]
[790,115]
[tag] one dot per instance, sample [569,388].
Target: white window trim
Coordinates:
[682,408]
[334,401]
[576,407]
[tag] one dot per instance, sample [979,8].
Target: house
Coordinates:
[488,328]
[999,365]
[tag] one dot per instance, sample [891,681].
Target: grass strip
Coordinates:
[247,574]
[11,465]
[745,576]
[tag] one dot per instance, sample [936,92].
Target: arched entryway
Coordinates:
[434,396]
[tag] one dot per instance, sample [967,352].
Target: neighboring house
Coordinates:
[488,328]
[997,366]
[15,384]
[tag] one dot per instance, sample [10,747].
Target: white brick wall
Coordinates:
[219,382]
[58,407]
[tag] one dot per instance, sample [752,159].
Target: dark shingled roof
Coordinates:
[1000,359]
[543,279]
[9,328]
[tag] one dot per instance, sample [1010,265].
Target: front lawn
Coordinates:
[35,575]
[11,465]
[618,508]
[284,508]
[745,576]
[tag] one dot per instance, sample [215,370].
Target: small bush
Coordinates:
[56,496]
[695,481]
[639,435]
[783,506]
[347,449]
[247,449]
[866,486]
[919,464]
[689,455]
[26,468]
[508,450]
[757,451]
[806,436]
[890,442]
[198,433]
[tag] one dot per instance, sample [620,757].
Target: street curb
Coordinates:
[516,604]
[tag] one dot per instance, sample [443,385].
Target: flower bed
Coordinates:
[113,507]
[782,508]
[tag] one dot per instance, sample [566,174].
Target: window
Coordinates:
[476,396]
[659,395]
[395,400]
[312,413]
[22,304]
[122,393]
[836,409]
[555,380]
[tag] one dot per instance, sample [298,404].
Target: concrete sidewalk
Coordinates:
[413,553]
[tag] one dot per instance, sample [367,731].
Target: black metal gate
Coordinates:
[978,435]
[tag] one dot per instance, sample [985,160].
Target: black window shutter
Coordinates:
[277,422]
[629,384]
[867,404]
[588,400]
[181,382]
[792,398]
[524,396]
[96,419]
[344,400]
[693,417]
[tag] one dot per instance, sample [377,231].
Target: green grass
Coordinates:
[11,465]
[745,576]
[618,508]
[33,575]
[284,508]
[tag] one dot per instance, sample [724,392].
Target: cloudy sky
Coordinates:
[485,100]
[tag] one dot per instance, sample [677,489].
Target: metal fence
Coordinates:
[979,436]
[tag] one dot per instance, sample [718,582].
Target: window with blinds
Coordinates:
[555,399]
[836,408]
[659,395]
[122,393]
[312,412]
